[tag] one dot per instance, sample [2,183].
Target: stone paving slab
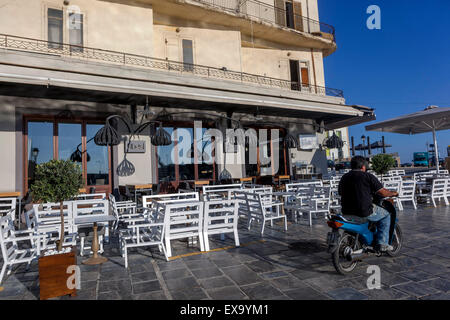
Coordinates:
[281,265]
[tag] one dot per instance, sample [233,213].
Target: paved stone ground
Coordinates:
[282,265]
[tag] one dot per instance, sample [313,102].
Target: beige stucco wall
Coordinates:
[215,48]
[108,25]
[8,169]
[275,63]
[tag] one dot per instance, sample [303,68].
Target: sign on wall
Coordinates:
[135,146]
[308,141]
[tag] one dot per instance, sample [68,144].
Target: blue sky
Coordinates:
[400,69]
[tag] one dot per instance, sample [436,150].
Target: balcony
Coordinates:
[271,14]
[21,44]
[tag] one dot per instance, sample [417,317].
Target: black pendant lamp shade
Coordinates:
[125,168]
[334,142]
[107,135]
[225,175]
[161,137]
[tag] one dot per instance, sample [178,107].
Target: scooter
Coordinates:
[353,239]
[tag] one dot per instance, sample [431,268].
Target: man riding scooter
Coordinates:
[361,194]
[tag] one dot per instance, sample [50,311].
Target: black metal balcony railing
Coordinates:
[273,14]
[15,43]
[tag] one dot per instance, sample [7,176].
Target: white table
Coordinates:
[95,219]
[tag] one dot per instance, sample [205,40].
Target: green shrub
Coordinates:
[57,181]
[382,163]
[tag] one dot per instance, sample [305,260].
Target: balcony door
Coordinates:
[47,139]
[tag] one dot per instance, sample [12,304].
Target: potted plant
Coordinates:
[56,181]
[382,163]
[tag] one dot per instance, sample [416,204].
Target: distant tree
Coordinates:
[382,163]
[57,181]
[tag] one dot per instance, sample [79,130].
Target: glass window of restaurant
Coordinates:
[47,139]
[266,146]
[176,161]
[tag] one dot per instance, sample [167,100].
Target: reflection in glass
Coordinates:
[185,161]
[205,157]
[98,166]
[166,165]
[69,141]
[40,146]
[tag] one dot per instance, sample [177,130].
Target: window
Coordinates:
[76,31]
[55,139]
[267,148]
[56,24]
[188,55]
[55,28]
[176,161]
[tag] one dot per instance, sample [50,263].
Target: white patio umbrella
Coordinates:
[431,119]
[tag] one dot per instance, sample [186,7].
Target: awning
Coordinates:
[431,119]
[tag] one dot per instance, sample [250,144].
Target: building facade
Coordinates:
[67,65]
[344,152]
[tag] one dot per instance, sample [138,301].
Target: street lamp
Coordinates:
[363,137]
[34,154]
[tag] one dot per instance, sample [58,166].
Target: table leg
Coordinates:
[95,259]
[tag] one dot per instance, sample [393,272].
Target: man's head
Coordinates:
[359,163]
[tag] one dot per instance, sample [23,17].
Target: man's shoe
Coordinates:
[385,247]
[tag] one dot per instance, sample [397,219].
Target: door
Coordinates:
[295,74]
[289,15]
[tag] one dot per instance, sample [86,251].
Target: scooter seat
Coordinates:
[356,219]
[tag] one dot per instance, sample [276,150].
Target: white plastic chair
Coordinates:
[184,220]
[438,192]
[261,211]
[9,242]
[220,217]
[122,210]
[215,192]
[319,202]
[48,237]
[49,219]
[170,198]
[95,207]
[142,232]
[6,205]
[407,193]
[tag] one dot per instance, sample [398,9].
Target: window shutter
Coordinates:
[305,76]
[298,17]
[280,16]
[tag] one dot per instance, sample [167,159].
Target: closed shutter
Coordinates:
[172,49]
[280,16]
[298,17]
[173,54]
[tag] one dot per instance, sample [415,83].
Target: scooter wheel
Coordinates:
[340,261]
[397,242]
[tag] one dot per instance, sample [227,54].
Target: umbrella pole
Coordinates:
[436,152]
